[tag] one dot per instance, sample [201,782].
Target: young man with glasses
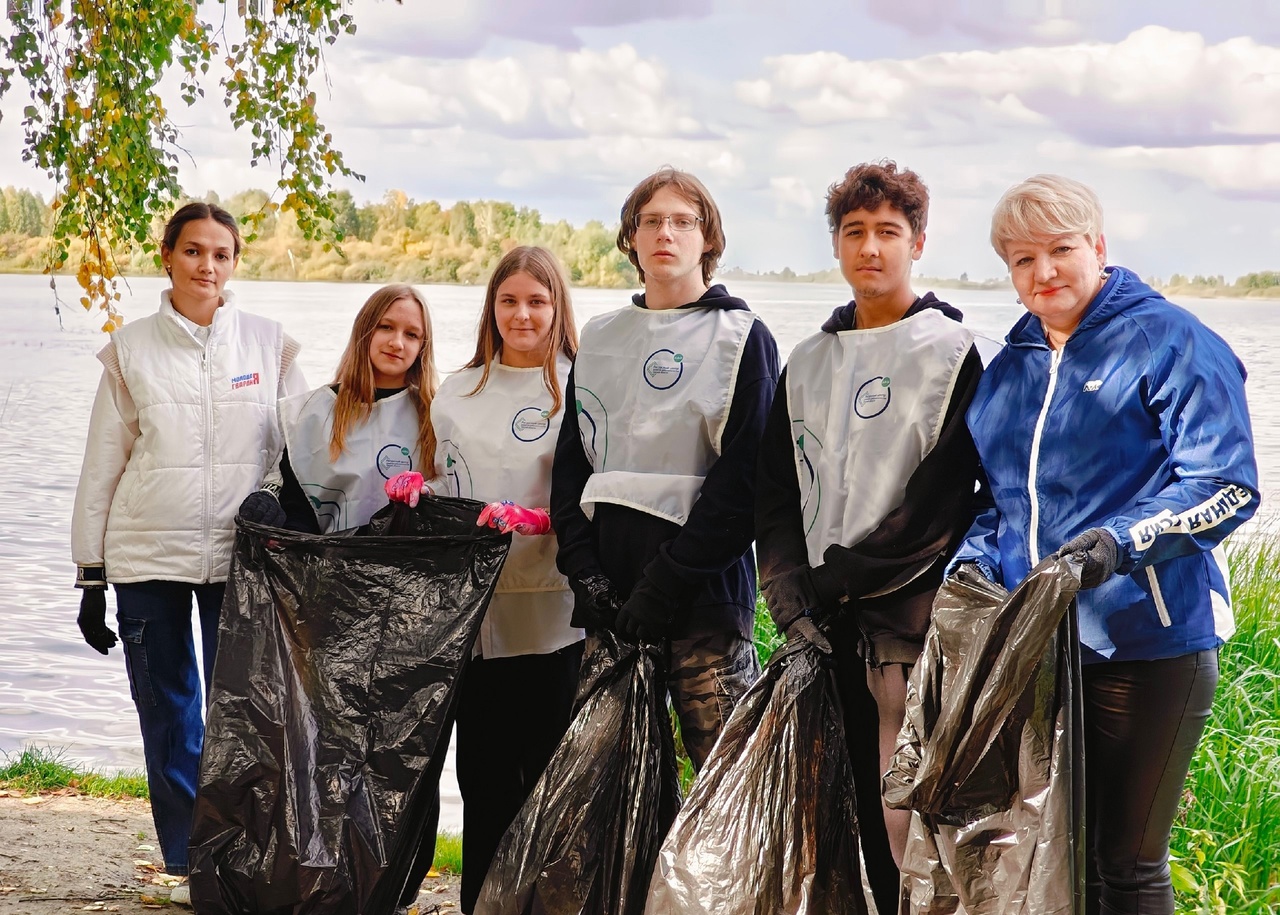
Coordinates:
[651,495]
[866,480]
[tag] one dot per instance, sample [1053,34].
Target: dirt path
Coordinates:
[66,853]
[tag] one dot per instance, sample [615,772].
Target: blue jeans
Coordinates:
[155,626]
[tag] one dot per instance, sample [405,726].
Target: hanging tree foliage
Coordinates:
[98,126]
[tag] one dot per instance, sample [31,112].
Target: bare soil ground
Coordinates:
[62,853]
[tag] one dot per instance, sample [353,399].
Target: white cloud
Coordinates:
[545,93]
[792,194]
[1155,88]
[1247,171]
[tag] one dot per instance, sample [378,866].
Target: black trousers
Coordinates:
[862,733]
[511,716]
[1142,722]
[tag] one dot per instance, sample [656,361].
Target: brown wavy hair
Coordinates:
[543,267]
[692,190]
[355,373]
[867,186]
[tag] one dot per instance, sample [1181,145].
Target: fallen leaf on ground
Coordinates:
[33,800]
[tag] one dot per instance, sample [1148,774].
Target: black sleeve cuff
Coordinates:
[91,577]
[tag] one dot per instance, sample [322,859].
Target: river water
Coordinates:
[56,691]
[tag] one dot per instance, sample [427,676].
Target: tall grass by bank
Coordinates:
[1226,843]
[36,769]
[448,859]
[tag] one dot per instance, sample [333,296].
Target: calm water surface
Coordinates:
[55,690]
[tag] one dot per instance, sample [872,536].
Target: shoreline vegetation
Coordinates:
[399,239]
[1226,841]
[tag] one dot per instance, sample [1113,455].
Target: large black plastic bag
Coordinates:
[770,825]
[586,839]
[337,674]
[990,755]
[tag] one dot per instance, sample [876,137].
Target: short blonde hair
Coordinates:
[1045,205]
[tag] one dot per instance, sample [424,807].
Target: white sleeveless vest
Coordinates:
[499,444]
[654,390]
[345,493]
[207,437]
[866,406]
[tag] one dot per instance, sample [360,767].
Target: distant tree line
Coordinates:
[398,239]
[395,239]
[1264,283]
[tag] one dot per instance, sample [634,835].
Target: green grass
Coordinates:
[768,639]
[1226,843]
[36,769]
[448,858]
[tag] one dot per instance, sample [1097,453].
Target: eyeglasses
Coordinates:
[680,222]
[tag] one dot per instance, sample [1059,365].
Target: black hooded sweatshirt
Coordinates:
[704,569]
[907,553]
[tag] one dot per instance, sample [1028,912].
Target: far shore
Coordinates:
[734,274]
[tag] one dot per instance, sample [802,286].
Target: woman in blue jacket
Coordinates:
[1114,425]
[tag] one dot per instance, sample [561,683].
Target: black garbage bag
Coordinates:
[990,755]
[586,839]
[338,666]
[770,825]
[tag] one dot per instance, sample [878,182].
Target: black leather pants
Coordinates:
[1142,721]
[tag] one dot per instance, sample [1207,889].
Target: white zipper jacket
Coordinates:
[180,433]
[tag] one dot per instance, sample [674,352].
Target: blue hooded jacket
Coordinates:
[1138,425]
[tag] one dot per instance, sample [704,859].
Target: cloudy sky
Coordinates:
[1170,110]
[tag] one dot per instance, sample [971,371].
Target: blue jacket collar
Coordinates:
[1122,290]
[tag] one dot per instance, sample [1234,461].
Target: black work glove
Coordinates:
[646,615]
[262,507]
[93,620]
[595,602]
[790,596]
[1097,552]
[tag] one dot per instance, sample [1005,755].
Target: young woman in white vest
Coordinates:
[345,441]
[352,444]
[496,421]
[183,426]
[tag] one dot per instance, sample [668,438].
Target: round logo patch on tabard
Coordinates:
[531,424]
[663,369]
[873,397]
[393,459]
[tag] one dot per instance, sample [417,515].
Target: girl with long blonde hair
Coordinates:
[346,441]
[497,420]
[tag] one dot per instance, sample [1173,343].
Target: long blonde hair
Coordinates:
[355,373]
[543,267]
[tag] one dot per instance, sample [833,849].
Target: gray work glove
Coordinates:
[1098,554]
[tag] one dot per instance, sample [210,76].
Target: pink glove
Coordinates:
[407,487]
[507,516]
